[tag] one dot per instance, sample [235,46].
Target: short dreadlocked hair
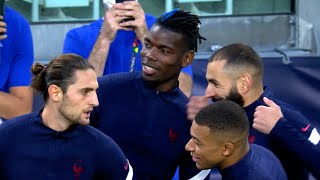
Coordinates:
[185,23]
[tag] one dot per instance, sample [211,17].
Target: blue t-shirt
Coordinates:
[16,52]
[258,163]
[81,41]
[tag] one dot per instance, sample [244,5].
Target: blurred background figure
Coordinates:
[16,58]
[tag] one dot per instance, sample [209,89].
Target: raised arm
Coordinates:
[15,94]
[303,142]
[113,21]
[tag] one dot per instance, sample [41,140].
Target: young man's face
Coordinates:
[163,55]
[221,85]
[80,98]
[204,148]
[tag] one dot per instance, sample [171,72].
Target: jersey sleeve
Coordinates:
[303,142]
[20,74]
[72,44]
[112,163]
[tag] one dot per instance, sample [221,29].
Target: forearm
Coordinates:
[99,53]
[185,83]
[12,106]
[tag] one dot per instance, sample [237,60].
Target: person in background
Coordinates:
[113,43]
[57,142]
[16,58]
[269,119]
[220,140]
[144,112]
[235,72]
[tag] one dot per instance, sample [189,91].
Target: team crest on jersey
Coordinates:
[173,136]
[77,169]
[251,138]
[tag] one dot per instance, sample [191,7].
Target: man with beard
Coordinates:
[57,142]
[144,112]
[235,73]
[220,140]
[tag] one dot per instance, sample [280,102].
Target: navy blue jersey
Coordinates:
[31,150]
[293,166]
[151,127]
[303,144]
[258,163]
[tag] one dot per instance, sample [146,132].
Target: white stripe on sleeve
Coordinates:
[314,137]
[130,173]
[201,175]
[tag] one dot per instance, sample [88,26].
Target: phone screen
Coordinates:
[121,1]
[2,7]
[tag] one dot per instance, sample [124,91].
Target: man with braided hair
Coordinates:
[112,44]
[144,112]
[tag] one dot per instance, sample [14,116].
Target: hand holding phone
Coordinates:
[108,4]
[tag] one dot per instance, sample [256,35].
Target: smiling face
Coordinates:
[205,149]
[221,85]
[80,98]
[163,55]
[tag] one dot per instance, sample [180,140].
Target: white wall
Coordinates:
[308,11]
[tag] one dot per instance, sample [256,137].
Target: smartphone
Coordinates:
[121,1]
[109,3]
[2,2]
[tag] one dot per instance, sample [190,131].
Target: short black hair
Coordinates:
[224,118]
[185,23]
[240,57]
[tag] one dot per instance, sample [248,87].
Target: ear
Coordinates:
[188,58]
[244,83]
[55,93]
[228,149]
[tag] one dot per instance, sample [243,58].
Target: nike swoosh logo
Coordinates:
[305,128]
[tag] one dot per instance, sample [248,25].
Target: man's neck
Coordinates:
[54,120]
[236,156]
[252,96]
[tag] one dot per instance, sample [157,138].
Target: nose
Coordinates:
[188,146]
[94,100]
[210,92]
[150,54]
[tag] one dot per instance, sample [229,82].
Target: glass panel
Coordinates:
[87,10]
[234,7]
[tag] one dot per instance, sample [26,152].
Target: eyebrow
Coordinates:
[193,137]
[146,39]
[213,81]
[87,89]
